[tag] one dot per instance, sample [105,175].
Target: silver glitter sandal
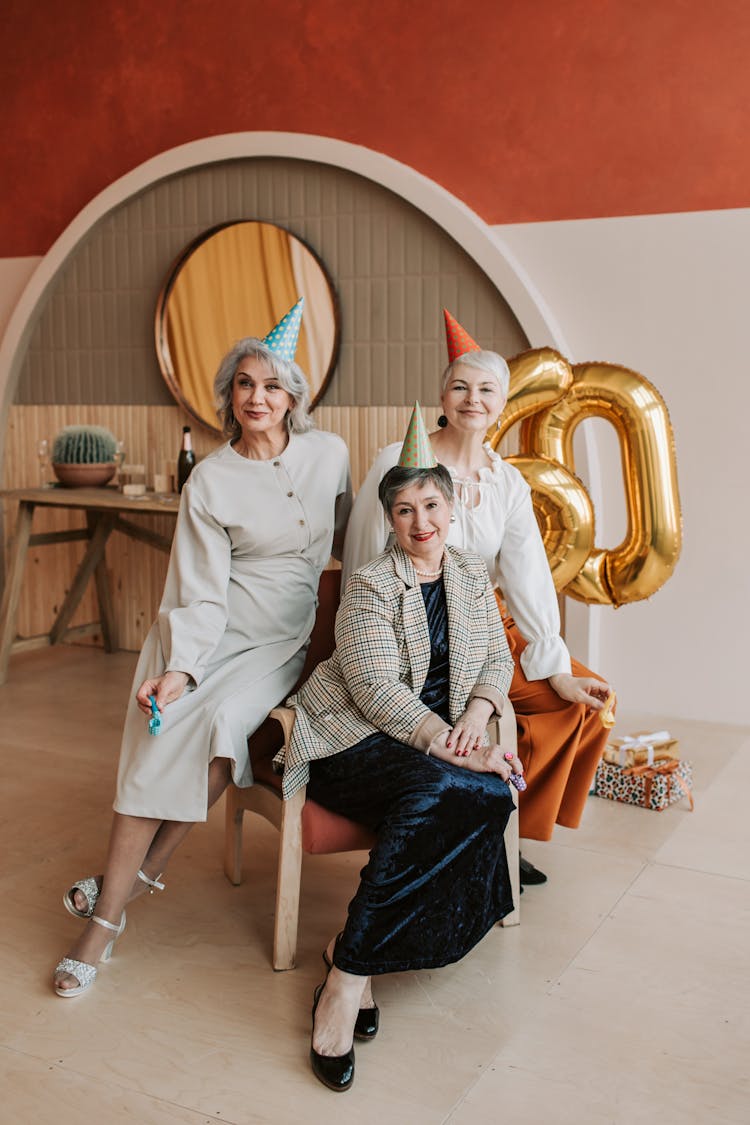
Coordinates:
[89,888]
[84,973]
[152,884]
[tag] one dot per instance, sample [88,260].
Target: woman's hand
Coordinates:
[166,688]
[485,759]
[491,759]
[581,689]
[470,728]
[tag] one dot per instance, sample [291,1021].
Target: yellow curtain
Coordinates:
[239,282]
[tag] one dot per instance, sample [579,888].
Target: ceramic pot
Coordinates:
[84,476]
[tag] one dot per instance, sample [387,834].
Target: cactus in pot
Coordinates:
[84,456]
[84,445]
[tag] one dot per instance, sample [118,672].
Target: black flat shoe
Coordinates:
[530,876]
[334,1071]
[368,1019]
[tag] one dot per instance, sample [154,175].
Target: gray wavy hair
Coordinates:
[489,362]
[290,377]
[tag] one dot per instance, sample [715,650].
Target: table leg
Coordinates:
[91,560]
[12,591]
[103,594]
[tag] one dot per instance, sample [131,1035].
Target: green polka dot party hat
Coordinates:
[416,452]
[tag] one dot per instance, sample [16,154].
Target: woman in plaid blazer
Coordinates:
[390,731]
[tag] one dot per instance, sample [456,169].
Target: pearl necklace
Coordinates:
[428,573]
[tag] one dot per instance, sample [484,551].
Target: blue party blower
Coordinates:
[154,723]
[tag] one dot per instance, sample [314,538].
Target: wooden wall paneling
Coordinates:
[49,569]
[136,571]
[392,266]
[151,435]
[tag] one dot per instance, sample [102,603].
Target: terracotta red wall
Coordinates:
[525,109]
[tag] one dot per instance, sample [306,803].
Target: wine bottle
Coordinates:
[186,460]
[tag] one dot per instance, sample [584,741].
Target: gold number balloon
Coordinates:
[537,379]
[564,514]
[647,556]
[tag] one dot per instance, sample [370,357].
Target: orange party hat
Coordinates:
[416,452]
[459,340]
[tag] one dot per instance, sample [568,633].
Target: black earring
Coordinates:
[442,421]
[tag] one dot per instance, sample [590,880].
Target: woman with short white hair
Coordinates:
[556,700]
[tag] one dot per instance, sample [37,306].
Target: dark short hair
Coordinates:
[399,478]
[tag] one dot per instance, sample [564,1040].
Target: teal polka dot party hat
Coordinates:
[416,452]
[282,340]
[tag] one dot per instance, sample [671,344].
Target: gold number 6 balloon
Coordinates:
[647,556]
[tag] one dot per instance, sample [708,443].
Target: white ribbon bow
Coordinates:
[645,742]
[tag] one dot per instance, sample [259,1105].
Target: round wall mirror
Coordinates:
[235,280]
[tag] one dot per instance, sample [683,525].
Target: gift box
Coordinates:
[641,749]
[652,787]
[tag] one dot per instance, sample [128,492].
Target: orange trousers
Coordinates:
[559,743]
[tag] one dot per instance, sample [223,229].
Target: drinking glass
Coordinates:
[42,454]
[119,461]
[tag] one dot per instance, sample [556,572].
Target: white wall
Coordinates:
[667,295]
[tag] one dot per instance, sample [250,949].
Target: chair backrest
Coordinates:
[322,639]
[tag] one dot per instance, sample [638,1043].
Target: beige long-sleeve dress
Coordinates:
[237,611]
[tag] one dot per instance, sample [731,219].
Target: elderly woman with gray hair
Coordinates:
[390,731]
[257,522]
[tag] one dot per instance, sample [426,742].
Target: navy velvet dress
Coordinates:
[437,878]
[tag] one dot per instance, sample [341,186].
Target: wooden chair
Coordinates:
[305,826]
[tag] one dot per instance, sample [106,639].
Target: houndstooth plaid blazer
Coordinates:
[374,678]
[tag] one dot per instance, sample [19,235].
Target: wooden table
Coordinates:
[106,511]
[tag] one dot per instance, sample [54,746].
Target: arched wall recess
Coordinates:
[448,212]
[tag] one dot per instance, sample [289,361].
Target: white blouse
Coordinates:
[502,528]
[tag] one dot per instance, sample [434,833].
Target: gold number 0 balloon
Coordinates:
[646,558]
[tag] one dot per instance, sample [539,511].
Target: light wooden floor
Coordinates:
[622,998]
